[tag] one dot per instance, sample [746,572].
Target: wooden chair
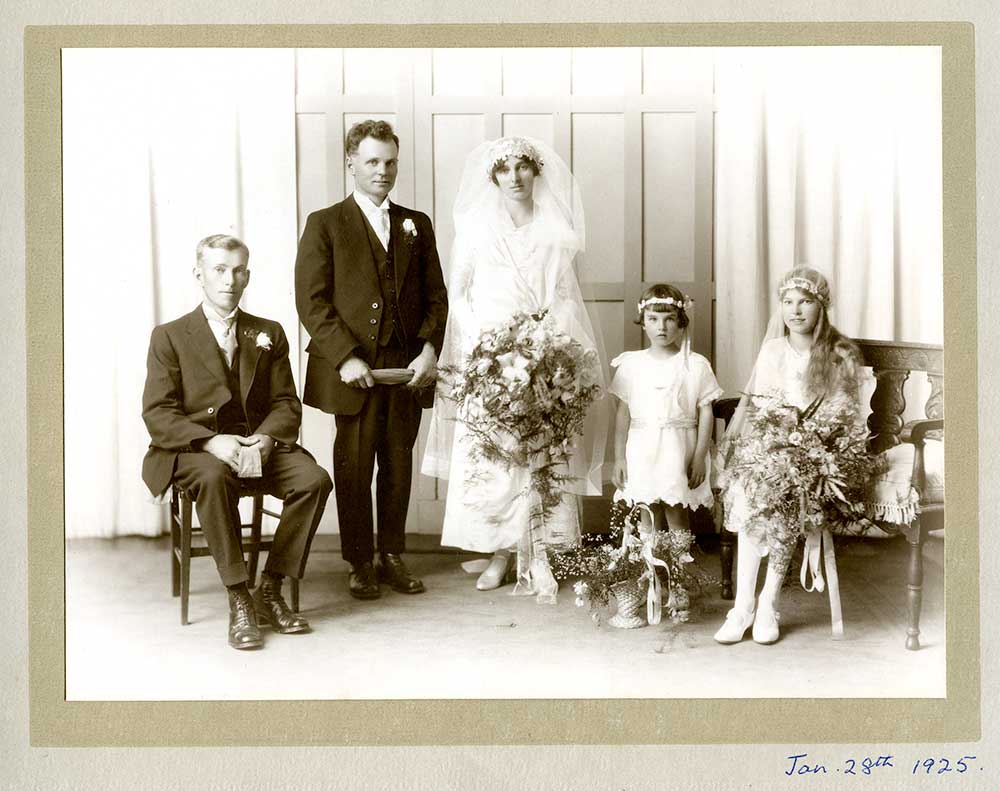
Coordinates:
[892,363]
[182,548]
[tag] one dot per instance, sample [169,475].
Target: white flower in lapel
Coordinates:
[410,230]
[261,339]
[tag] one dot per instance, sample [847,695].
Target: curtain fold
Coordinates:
[160,149]
[831,158]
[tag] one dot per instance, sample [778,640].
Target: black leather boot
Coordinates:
[243,631]
[272,609]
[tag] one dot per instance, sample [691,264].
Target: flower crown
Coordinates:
[511,147]
[803,284]
[683,304]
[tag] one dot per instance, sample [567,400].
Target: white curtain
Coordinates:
[160,149]
[831,158]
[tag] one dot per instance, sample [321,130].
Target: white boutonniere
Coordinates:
[261,339]
[410,230]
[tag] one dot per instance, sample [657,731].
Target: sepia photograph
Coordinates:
[501,373]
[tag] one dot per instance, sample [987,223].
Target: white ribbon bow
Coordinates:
[654,593]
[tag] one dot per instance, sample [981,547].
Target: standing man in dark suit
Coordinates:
[369,290]
[220,401]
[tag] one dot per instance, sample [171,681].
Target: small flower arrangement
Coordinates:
[261,339]
[523,394]
[409,230]
[630,554]
[803,468]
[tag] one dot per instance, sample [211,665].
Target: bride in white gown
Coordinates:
[518,228]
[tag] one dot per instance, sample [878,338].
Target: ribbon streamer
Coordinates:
[820,542]
[654,593]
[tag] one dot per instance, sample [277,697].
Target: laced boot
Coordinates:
[272,609]
[243,631]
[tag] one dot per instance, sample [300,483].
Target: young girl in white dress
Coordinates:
[663,422]
[803,356]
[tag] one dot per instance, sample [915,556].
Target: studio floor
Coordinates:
[124,640]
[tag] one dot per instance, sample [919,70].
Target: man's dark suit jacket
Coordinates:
[186,386]
[341,305]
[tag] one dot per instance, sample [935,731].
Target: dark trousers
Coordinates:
[384,429]
[290,474]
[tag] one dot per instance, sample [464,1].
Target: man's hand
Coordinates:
[619,474]
[226,448]
[424,367]
[696,471]
[265,444]
[354,372]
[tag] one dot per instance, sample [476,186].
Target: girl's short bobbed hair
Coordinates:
[663,291]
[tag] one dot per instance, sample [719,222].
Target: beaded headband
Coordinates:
[511,147]
[683,304]
[802,284]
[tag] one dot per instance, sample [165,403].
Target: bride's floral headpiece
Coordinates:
[806,285]
[511,147]
[683,304]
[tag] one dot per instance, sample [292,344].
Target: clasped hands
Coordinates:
[226,448]
[355,372]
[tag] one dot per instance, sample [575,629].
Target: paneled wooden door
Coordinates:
[635,125]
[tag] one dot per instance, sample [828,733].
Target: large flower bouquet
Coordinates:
[633,554]
[523,395]
[802,468]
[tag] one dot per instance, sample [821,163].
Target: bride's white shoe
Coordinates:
[495,573]
[737,622]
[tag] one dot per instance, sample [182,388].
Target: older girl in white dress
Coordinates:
[663,423]
[803,357]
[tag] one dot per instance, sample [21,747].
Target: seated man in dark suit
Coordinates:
[220,403]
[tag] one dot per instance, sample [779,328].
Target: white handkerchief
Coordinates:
[249,461]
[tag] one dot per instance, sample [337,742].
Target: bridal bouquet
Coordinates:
[523,394]
[803,468]
[629,555]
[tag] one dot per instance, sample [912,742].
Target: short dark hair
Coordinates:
[502,163]
[221,241]
[377,130]
[663,291]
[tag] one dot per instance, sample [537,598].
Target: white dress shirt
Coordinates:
[378,216]
[223,328]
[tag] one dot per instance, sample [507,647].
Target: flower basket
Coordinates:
[632,565]
[630,600]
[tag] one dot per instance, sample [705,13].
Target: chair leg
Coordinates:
[295,594]
[726,540]
[175,543]
[915,583]
[185,561]
[258,515]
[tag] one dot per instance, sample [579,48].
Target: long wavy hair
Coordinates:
[835,360]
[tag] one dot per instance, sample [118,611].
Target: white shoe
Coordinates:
[737,622]
[765,626]
[495,573]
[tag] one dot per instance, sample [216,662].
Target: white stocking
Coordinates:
[772,586]
[747,566]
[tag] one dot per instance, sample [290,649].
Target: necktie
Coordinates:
[384,235]
[229,341]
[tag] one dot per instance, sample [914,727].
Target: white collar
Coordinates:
[213,315]
[368,205]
